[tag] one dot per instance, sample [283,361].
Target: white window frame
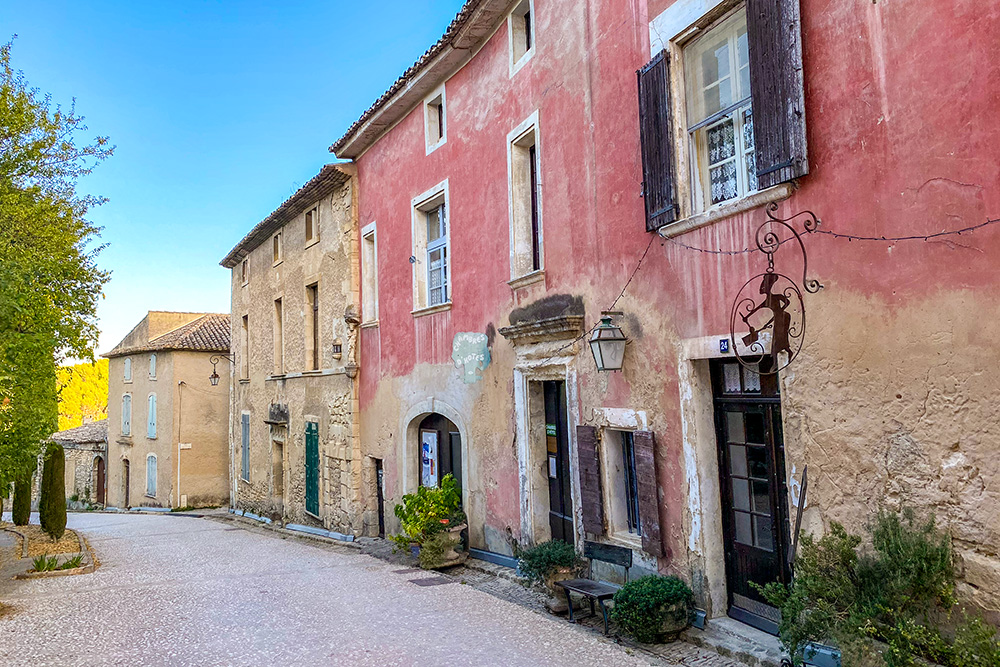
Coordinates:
[127,370]
[432,138]
[151,416]
[369,274]
[519,225]
[696,133]
[313,215]
[127,423]
[516,34]
[420,206]
[152,366]
[151,479]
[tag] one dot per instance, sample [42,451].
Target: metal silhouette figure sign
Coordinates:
[768,320]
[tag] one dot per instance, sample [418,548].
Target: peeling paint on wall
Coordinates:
[471,353]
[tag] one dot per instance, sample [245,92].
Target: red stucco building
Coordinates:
[505,203]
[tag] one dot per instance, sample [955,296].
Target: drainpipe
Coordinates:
[180,415]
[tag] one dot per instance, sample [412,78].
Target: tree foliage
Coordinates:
[83,393]
[20,511]
[49,279]
[52,498]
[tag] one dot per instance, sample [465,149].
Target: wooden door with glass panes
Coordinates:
[754,497]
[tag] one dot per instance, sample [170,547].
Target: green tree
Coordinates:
[20,511]
[49,279]
[83,393]
[52,499]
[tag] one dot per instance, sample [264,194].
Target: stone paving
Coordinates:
[187,591]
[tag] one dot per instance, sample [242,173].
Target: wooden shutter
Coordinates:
[151,418]
[779,113]
[127,414]
[590,480]
[644,446]
[312,468]
[245,447]
[659,183]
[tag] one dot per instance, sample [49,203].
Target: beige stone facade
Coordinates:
[294,317]
[179,457]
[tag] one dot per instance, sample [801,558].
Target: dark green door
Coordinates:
[312,468]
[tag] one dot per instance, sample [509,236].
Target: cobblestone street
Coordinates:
[189,591]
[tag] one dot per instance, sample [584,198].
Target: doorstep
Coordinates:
[729,637]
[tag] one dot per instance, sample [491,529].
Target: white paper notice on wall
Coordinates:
[553,467]
[184,445]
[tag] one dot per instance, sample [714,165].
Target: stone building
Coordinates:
[86,451]
[296,452]
[168,443]
[521,178]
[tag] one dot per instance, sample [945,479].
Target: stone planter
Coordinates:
[453,553]
[557,595]
[676,617]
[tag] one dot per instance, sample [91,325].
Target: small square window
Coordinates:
[312,225]
[522,34]
[245,271]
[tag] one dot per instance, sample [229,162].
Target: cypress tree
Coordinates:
[52,505]
[20,510]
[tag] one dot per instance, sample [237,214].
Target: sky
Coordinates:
[218,110]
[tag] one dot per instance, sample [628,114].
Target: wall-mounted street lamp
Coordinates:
[214,359]
[608,345]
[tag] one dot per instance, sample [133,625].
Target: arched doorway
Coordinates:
[440,451]
[99,480]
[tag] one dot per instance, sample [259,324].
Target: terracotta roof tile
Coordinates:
[208,333]
[88,433]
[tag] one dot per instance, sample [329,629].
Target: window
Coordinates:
[152,366]
[127,370]
[312,225]
[719,114]
[276,249]
[279,346]
[245,271]
[525,214]
[151,475]
[437,256]
[151,418]
[627,485]
[127,414]
[435,121]
[431,257]
[369,275]
[245,446]
[245,357]
[520,27]
[312,327]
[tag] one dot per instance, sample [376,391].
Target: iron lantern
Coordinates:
[214,378]
[608,345]
[214,359]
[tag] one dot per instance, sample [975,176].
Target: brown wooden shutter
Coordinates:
[659,183]
[644,446]
[590,480]
[779,112]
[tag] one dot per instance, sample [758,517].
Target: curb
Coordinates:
[85,550]
[24,540]
[266,524]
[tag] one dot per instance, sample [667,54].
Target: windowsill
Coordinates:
[516,65]
[149,496]
[430,310]
[527,279]
[723,211]
[245,481]
[125,440]
[150,438]
[245,284]
[437,144]
[369,325]
[625,539]
[127,381]
[307,374]
[244,380]
[277,264]
[152,378]
[310,244]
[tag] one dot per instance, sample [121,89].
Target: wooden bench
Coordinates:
[596,591]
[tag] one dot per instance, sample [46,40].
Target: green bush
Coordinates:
[45,563]
[52,501]
[429,511]
[641,606]
[20,510]
[537,562]
[900,592]
[72,563]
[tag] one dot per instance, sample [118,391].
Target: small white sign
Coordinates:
[185,445]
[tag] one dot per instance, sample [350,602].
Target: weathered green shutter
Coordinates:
[312,468]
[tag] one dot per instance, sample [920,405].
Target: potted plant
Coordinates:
[431,524]
[653,608]
[548,563]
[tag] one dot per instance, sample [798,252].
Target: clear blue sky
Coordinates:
[219,111]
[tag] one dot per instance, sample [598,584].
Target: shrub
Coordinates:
[72,563]
[20,510]
[900,592]
[540,560]
[52,502]
[642,606]
[429,511]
